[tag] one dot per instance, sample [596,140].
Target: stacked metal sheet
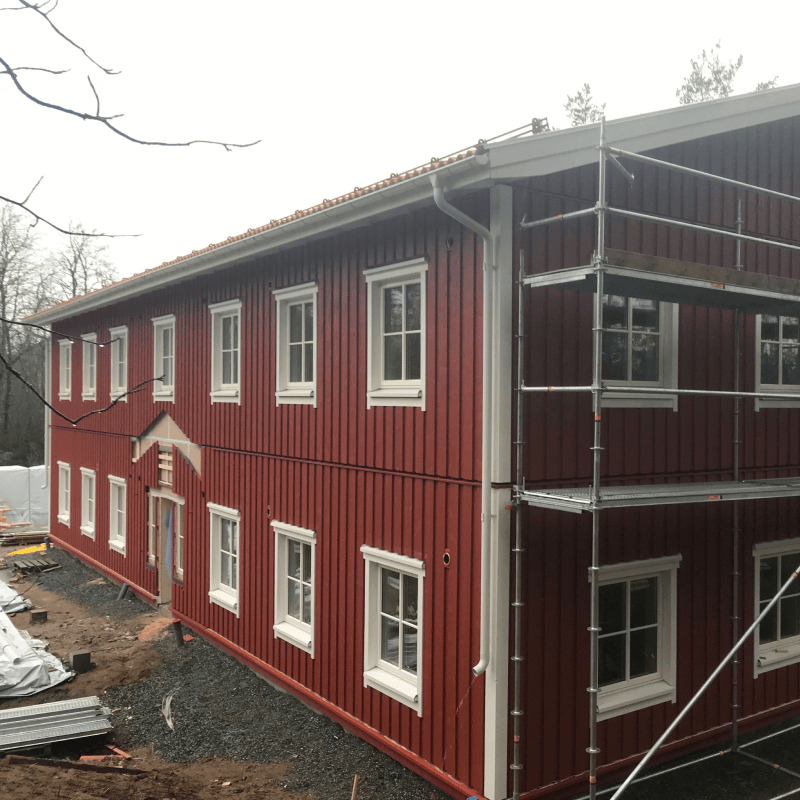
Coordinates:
[34,726]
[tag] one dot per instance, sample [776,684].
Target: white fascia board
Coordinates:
[466,173]
[553,151]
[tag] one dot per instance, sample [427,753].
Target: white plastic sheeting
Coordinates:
[11,600]
[21,488]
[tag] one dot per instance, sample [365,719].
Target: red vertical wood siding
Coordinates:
[651,446]
[400,479]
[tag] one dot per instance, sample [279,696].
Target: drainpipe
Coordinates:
[486,416]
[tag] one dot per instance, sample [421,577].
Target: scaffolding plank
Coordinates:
[46,709]
[579,499]
[673,281]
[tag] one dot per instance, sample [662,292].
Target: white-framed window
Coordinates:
[117,505]
[178,542]
[777,640]
[393,614]
[64,473]
[89,366]
[119,362]
[637,647]
[640,348]
[296,345]
[64,369]
[164,358]
[294,585]
[88,501]
[226,352]
[224,584]
[777,359]
[396,334]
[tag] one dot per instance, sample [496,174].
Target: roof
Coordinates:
[477,167]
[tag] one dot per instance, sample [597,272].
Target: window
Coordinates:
[63,492]
[294,585]
[65,369]
[637,640]
[393,625]
[225,352]
[778,635]
[179,544]
[224,586]
[396,335]
[640,348]
[296,357]
[87,502]
[119,362]
[117,506]
[164,358]
[777,359]
[89,366]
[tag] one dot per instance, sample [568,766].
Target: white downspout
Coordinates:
[486,415]
[48,394]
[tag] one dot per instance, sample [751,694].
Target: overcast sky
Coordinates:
[340,95]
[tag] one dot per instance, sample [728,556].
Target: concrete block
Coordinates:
[38,615]
[80,662]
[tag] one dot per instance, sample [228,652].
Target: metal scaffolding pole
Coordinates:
[597,399]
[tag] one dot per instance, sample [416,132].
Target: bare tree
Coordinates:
[80,266]
[581,108]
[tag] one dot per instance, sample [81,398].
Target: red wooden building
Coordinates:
[317,469]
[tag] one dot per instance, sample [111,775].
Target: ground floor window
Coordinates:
[224,577]
[88,480]
[637,639]
[63,492]
[393,617]
[117,507]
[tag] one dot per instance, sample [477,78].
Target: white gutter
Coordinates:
[486,415]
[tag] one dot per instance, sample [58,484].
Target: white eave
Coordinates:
[525,156]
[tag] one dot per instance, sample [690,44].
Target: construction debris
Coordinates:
[34,726]
[79,765]
[37,562]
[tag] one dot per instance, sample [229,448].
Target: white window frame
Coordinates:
[117,530]
[398,684]
[89,391]
[668,318]
[225,392]
[633,695]
[88,501]
[163,392]
[65,369]
[64,492]
[393,393]
[286,391]
[119,357]
[178,539]
[771,402]
[219,593]
[781,652]
[286,627]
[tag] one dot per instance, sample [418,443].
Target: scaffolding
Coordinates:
[667,280]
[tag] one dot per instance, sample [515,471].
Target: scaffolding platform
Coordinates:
[673,281]
[579,499]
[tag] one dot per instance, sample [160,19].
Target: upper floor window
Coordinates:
[637,641]
[640,348]
[778,635]
[89,366]
[88,501]
[119,362]
[396,335]
[294,585]
[224,582]
[164,358]
[65,369]
[225,352]
[777,359]
[296,357]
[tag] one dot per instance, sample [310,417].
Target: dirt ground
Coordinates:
[122,653]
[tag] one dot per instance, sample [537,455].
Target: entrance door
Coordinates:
[163,531]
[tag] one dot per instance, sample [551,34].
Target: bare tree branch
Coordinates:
[35,187]
[39,9]
[36,69]
[47,331]
[134,390]
[107,120]
[96,96]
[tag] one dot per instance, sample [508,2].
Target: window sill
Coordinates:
[87,531]
[65,395]
[613,703]
[227,601]
[778,656]
[405,691]
[769,402]
[117,395]
[89,397]
[225,396]
[63,520]
[296,396]
[163,397]
[117,547]
[295,635]
[625,400]
[396,396]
